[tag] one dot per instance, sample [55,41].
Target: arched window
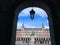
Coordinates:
[39,26]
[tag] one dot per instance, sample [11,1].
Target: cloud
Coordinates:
[47,21]
[33,27]
[25,12]
[29,26]
[39,11]
[46,27]
[19,24]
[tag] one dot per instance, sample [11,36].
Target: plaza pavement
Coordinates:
[21,43]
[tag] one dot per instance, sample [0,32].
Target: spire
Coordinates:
[22,27]
[43,27]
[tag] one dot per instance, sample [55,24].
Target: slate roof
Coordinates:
[32,29]
[18,29]
[46,29]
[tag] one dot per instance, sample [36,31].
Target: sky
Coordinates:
[40,18]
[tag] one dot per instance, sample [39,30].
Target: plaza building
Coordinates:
[36,35]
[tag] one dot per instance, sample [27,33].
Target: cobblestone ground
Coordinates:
[21,43]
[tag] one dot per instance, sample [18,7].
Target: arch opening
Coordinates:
[34,31]
[36,4]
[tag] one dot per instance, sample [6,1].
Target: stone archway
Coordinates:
[36,4]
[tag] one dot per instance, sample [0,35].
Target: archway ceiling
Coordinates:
[6,4]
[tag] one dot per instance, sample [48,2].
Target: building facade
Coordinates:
[39,35]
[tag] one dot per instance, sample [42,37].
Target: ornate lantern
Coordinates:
[32,13]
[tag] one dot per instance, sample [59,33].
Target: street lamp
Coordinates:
[32,13]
